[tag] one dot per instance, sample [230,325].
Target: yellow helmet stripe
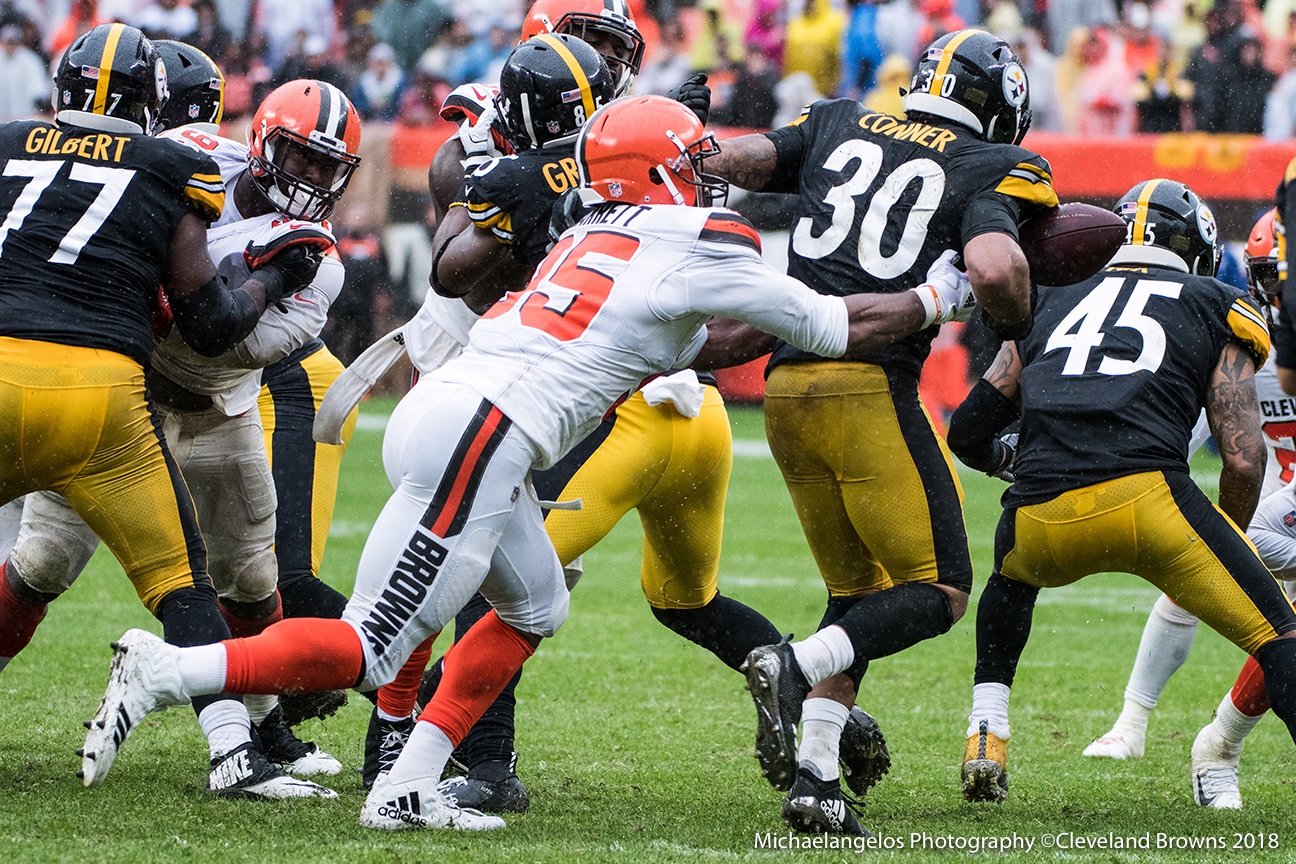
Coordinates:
[582,80]
[947,56]
[1140,213]
[105,67]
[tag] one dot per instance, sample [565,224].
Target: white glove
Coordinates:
[947,293]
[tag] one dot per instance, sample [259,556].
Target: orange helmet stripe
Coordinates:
[105,67]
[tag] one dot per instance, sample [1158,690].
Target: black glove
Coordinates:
[567,211]
[695,94]
[288,272]
[1005,449]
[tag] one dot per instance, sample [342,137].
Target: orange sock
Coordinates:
[243,627]
[476,669]
[1248,692]
[297,655]
[397,698]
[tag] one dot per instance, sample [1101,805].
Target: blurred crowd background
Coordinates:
[1097,68]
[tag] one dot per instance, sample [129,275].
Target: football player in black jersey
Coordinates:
[1108,385]
[1284,333]
[98,215]
[879,200]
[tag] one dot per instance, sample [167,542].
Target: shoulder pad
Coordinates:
[1030,179]
[467,103]
[1249,329]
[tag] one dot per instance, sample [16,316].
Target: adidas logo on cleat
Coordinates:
[404,809]
[123,726]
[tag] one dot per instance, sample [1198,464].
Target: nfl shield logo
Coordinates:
[67,97]
[1290,519]
[193,112]
[553,127]
[614,189]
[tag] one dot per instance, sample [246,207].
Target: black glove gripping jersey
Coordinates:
[86,235]
[881,198]
[1115,374]
[513,197]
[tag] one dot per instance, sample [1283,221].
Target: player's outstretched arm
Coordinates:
[1000,279]
[1233,412]
[471,264]
[747,161]
[211,316]
[731,342]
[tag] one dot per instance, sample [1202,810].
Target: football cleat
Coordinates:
[1116,745]
[985,766]
[778,687]
[417,804]
[1215,771]
[864,756]
[144,677]
[383,743]
[311,706]
[492,787]
[815,806]
[244,772]
[283,748]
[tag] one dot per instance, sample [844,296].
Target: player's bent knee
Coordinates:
[958,602]
[253,580]
[46,565]
[1167,610]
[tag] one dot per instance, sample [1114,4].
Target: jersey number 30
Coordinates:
[1081,330]
[40,175]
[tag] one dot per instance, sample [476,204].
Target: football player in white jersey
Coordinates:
[1170,630]
[624,295]
[280,188]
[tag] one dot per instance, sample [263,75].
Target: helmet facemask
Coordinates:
[709,190]
[628,52]
[293,195]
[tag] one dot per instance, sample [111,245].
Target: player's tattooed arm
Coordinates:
[1005,372]
[993,404]
[1233,412]
[747,161]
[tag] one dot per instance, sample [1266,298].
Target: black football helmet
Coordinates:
[549,87]
[976,80]
[110,79]
[1166,215]
[197,88]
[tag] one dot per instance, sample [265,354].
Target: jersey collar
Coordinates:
[1151,255]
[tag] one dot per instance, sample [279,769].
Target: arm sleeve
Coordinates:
[790,145]
[974,429]
[214,318]
[301,318]
[991,213]
[735,283]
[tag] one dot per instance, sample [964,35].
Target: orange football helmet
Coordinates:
[1262,258]
[648,150]
[588,20]
[303,147]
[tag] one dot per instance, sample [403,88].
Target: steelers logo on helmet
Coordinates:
[1014,84]
[1206,223]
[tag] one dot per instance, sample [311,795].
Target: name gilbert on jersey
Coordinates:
[49,141]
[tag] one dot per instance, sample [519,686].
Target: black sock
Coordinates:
[472,612]
[725,627]
[1003,625]
[1278,660]
[192,616]
[310,597]
[890,621]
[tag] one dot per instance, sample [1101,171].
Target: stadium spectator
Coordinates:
[210,35]
[1005,20]
[312,61]
[898,23]
[281,20]
[1041,72]
[1064,17]
[767,30]
[21,17]
[26,80]
[896,72]
[355,54]
[166,19]
[668,65]
[484,58]
[940,19]
[793,93]
[1104,92]
[1162,94]
[445,57]
[861,50]
[814,41]
[1210,71]
[81,18]
[719,41]
[1248,88]
[750,102]
[1142,46]
[378,90]
[247,77]
[409,27]
[421,103]
[1280,107]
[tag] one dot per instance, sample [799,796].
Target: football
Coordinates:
[1071,243]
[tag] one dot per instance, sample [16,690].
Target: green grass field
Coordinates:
[637,746]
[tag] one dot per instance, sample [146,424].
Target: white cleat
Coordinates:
[1116,745]
[1215,771]
[145,677]
[245,773]
[314,764]
[404,806]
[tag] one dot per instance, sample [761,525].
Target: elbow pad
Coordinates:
[974,429]
[214,318]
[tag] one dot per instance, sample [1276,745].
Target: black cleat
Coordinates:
[283,748]
[815,806]
[244,772]
[311,706]
[491,787]
[778,687]
[383,743]
[864,755]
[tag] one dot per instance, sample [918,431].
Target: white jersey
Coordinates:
[625,295]
[1278,420]
[233,379]
[438,332]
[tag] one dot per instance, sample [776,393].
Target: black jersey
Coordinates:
[1115,373]
[513,196]
[1284,336]
[881,198]
[88,219]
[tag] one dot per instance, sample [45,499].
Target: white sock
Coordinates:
[1232,725]
[260,706]
[1164,647]
[425,755]
[1133,720]
[226,725]
[383,715]
[822,721]
[824,654]
[990,703]
[202,669]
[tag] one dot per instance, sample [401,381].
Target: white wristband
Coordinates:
[931,304]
